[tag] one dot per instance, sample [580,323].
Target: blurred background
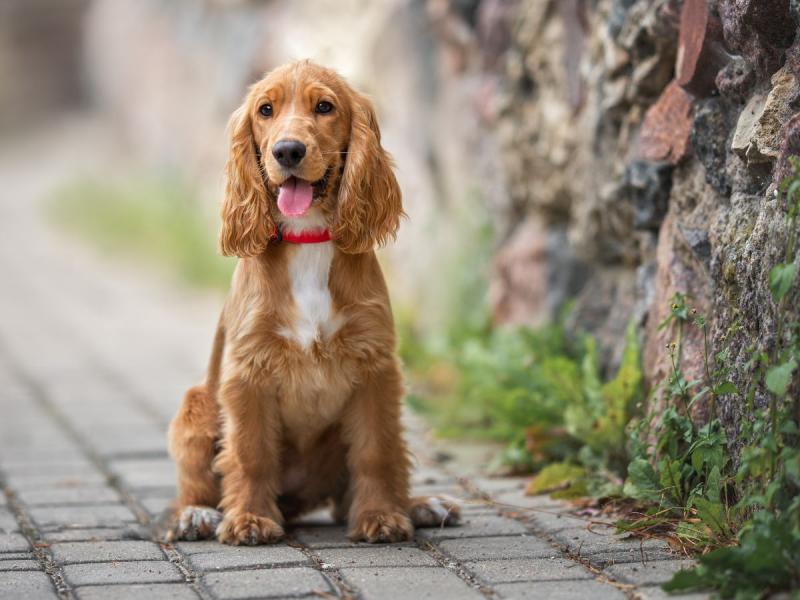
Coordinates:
[567,167]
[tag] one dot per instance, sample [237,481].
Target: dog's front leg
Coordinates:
[249,465]
[378,459]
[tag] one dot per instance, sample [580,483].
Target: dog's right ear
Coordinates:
[246,224]
[369,204]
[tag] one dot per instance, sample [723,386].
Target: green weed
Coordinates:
[757,537]
[539,392]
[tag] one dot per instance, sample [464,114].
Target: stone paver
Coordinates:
[211,556]
[471,509]
[83,454]
[8,524]
[70,495]
[13,542]
[527,569]
[487,548]
[511,499]
[156,505]
[107,515]
[32,585]
[328,536]
[56,482]
[554,520]
[652,573]
[55,467]
[143,571]
[15,555]
[97,534]
[116,440]
[81,552]
[412,583]
[559,590]
[149,591]
[601,547]
[25,564]
[268,583]
[146,473]
[377,556]
[656,593]
[476,526]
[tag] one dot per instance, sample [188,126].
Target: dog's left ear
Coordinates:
[369,203]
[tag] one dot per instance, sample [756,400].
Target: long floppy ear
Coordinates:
[246,223]
[369,203]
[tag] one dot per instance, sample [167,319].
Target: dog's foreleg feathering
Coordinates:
[378,459]
[249,462]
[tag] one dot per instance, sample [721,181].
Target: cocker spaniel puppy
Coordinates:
[301,403]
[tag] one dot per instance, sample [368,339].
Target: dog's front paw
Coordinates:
[195,523]
[376,526]
[247,529]
[434,511]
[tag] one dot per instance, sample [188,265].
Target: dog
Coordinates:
[301,404]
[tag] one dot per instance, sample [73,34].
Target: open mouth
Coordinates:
[296,195]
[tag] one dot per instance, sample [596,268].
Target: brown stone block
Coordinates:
[667,124]
[759,30]
[701,53]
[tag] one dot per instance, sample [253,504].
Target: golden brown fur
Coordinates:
[280,427]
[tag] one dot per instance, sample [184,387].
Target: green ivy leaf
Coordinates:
[693,533]
[670,479]
[698,396]
[789,428]
[792,189]
[642,481]
[713,484]
[711,513]
[688,579]
[781,278]
[726,387]
[555,476]
[779,377]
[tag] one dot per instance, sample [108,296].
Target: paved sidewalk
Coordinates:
[93,361]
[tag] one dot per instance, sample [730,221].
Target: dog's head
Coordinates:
[305,147]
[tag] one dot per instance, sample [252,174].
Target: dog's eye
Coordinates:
[323,107]
[266,110]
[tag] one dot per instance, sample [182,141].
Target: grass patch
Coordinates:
[159,219]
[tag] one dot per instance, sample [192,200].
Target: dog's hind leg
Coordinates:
[193,436]
[434,511]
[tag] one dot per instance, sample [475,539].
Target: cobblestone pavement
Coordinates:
[93,361]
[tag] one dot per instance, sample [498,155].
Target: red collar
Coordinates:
[312,236]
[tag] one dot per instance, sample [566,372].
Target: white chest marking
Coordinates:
[309,267]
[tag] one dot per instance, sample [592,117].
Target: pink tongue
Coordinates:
[294,197]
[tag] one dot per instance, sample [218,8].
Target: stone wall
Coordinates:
[642,141]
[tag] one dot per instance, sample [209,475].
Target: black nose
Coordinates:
[289,153]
